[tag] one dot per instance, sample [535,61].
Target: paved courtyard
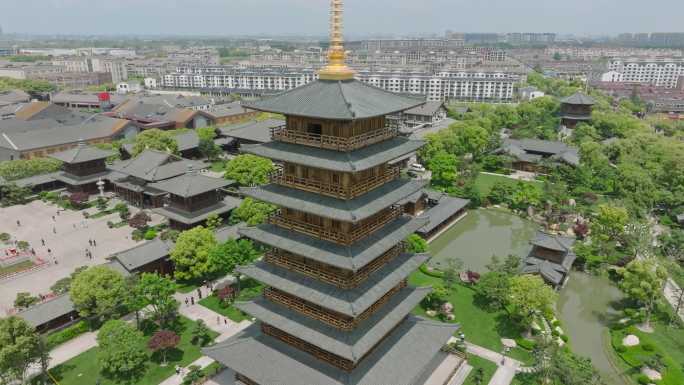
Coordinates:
[67,245]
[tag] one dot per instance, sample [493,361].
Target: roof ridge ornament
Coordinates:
[336,69]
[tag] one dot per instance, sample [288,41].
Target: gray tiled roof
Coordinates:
[75,180]
[191,184]
[144,253]
[349,302]
[192,217]
[152,166]
[350,345]
[445,208]
[399,359]
[352,210]
[229,232]
[339,100]
[428,109]
[81,153]
[47,311]
[227,109]
[346,257]
[351,161]
[36,180]
[550,270]
[253,131]
[553,242]
[579,98]
[531,150]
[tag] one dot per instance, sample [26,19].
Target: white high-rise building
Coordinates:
[661,72]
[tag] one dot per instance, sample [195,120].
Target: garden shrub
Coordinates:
[621,349]
[643,379]
[431,272]
[150,234]
[555,323]
[564,337]
[526,344]
[57,338]
[647,346]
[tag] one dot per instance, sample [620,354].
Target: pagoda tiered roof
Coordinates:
[350,161]
[399,359]
[351,345]
[337,100]
[352,210]
[352,257]
[349,302]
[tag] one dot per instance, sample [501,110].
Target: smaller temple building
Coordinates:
[551,257]
[83,167]
[440,209]
[575,109]
[535,155]
[192,198]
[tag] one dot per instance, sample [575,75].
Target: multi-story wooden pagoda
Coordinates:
[336,308]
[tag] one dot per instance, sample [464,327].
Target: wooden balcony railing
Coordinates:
[283,134]
[336,190]
[344,279]
[339,236]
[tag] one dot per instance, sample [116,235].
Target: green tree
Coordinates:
[25,300]
[214,221]
[249,170]
[557,56]
[529,295]
[452,271]
[493,289]
[609,223]
[643,281]
[416,244]
[98,292]
[19,349]
[201,333]
[157,293]
[225,257]
[121,352]
[190,254]
[207,147]
[436,297]
[444,167]
[23,168]
[61,286]
[194,375]
[252,212]
[11,194]
[155,139]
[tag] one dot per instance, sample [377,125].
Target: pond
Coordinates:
[480,235]
[585,306]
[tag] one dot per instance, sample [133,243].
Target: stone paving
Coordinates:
[67,238]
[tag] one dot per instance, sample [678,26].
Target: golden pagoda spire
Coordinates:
[337,68]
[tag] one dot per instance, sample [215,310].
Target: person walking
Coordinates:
[42,241]
[90,242]
[94,243]
[192,300]
[18,223]
[54,230]
[186,301]
[53,218]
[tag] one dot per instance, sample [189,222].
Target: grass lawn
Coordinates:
[218,166]
[85,369]
[487,367]
[481,327]
[485,182]
[249,289]
[667,342]
[15,268]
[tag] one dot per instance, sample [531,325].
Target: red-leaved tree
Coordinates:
[581,229]
[162,341]
[78,198]
[139,220]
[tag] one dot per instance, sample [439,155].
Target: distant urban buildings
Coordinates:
[662,72]
[115,67]
[441,86]
[655,39]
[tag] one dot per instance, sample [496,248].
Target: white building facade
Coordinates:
[441,86]
[661,72]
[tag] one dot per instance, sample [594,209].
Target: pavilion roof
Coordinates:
[579,98]
[337,100]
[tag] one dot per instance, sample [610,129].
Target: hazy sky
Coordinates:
[249,17]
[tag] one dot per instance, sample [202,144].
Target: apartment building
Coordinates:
[115,67]
[661,72]
[436,86]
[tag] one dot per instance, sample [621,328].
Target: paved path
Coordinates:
[505,373]
[672,294]
[176,379]
[67,245]
[461,375]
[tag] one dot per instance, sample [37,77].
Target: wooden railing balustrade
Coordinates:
[339,143]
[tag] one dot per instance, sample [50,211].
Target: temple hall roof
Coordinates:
[579,98]
[191,184]
[337,100]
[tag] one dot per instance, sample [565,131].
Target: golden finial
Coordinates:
[337,68]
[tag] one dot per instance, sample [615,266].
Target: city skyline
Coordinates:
[308,17]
